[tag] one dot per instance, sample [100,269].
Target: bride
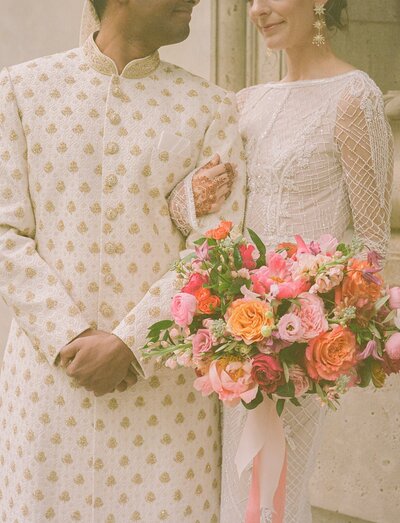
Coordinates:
[319,156]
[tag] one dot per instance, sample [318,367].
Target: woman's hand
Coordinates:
[212,185]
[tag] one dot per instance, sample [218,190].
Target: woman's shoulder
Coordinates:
[247,94]
[360,86]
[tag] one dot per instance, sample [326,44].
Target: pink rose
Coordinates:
[231,380]
[300,380]
[183,308]
[394,301]
[202,342]
[312,315]
[248,253]
[392,346]
[196,281]
[290,328]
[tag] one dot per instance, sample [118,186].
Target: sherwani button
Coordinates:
[111,214]
[112,148]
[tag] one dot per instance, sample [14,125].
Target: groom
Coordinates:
[92,142]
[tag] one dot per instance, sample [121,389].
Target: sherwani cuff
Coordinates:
[124,333]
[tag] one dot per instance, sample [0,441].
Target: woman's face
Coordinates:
[284,23]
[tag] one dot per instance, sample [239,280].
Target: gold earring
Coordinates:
[319,24]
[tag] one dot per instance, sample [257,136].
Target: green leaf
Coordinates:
[320,392]
[365,374]
[375,331]
[390,316]
[280,405]
[286,371]
[256,401]
[260,246]
[161,325]
[380,303]
[295,402]
[287,390]
[237,259]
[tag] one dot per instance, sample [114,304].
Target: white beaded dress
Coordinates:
[319,156]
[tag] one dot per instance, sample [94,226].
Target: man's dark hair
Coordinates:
[100,7]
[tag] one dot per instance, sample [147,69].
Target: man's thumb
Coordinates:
[68,353]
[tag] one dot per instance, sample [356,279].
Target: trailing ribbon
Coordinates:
[263,443]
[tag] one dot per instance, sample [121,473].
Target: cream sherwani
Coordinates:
[87,161]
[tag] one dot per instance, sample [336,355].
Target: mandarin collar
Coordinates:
[139,68]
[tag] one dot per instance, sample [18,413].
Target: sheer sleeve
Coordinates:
[365,144]
[182,206]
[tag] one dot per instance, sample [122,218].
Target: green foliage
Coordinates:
[256,401]
[280,405]
[286,390]
[260,247]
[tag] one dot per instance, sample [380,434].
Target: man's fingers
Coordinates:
[68,353]
[131,379]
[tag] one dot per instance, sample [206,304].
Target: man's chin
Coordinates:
[179,36]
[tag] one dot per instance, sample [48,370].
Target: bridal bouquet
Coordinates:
[303,318]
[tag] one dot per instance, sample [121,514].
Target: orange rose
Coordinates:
[358,291]
[331,354]
[221,232]
[207,302]
[248,318]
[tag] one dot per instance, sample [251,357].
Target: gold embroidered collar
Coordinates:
[139,68]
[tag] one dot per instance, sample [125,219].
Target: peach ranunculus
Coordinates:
[207,303]
[331,354]
[221,232]
[250,320]
[358,290]
[231,380]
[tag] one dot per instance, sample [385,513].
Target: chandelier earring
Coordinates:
[320,24]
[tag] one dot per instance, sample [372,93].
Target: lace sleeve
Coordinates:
[182,206]
[365,143]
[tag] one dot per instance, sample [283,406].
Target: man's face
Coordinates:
[160,22]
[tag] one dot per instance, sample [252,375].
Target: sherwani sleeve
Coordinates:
[41,305]
[222,137]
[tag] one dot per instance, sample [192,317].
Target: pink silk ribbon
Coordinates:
[263,443]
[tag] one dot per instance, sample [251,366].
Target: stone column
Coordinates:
[229,44]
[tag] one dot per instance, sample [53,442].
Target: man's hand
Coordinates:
[212,185]
[99,361]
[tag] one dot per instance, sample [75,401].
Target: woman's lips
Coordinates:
[270,27]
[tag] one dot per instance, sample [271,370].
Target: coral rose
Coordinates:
[267,372]
[248,254]
[196,281]
[207,303]
[331,354]
[356,289]
[183,308]
[221,232]
[246,320]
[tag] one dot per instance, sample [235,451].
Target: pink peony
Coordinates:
[394,301]
[183,308]
[267,372]
[203,385]
[278,274]
[290,328]
[196,281]
[231,380]
[248,253]
[202,342]
[312,315]
[392,346]
[299,379]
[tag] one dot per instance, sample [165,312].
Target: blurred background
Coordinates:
[357,478]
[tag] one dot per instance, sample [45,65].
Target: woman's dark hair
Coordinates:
[336,14]
[100,7]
